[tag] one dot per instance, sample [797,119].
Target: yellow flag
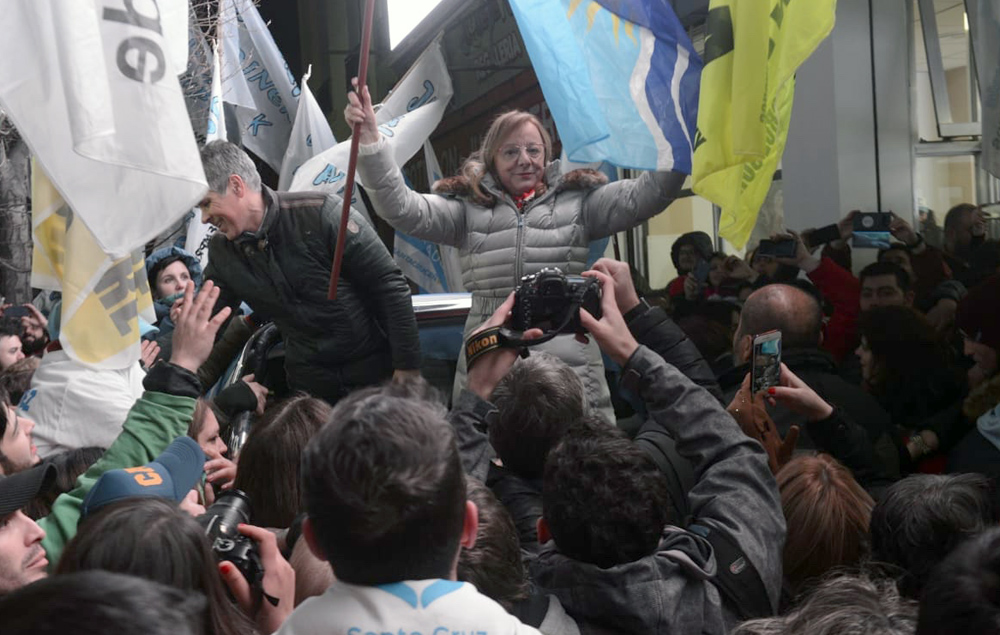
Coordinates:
[102,298]
[752,49]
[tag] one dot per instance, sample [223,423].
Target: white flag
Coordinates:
[91,88]
[256,79]
[311,135]
[102,297]
[407,117]
[988,65]
[199,233]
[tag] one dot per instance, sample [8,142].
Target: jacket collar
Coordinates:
[270,214]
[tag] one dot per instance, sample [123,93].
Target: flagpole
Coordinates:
[352,163]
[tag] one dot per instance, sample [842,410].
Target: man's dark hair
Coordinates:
[787,308]
[384,489]
[536,401]
[99,602]
[494,565]
[69,465]
[921,518]
[963,594]
[4,418]
[892,247]
[885,268]
[603,498]
[955,215]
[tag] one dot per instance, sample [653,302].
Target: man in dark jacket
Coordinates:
[799,317]
[274,251]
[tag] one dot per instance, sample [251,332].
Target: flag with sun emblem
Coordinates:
[620,77]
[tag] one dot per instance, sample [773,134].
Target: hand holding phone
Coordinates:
[821,236]
[784,248]
[765,366]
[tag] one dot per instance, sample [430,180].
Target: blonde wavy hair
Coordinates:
[482,161]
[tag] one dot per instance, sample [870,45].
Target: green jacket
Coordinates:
[162,414]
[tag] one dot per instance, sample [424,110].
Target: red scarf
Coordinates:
[523,199]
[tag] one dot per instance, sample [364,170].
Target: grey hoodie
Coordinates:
[669,591]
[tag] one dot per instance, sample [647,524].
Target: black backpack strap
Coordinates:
[736,577]
[662,449]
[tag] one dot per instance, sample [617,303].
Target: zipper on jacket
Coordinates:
[517,247]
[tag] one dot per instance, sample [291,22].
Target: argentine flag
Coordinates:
[621,79]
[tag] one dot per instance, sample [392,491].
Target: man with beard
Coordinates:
[964,231]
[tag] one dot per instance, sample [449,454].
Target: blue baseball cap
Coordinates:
[171,475]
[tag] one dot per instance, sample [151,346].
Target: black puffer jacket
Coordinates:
[282,271]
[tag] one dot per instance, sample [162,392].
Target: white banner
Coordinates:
[91,88]
[311,135]
[256,79]
[988,65]
[407,117]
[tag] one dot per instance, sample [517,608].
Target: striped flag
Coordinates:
[621,78]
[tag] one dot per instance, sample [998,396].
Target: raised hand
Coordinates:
[610,331]
[359,110]
[195,327]
[491,366]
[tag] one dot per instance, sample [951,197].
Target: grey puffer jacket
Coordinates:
[498,244]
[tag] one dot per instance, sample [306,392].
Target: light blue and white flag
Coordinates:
[311,135]
[406,117]
[256,79]
[620,77]
[199,233]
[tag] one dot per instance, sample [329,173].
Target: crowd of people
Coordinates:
[855,496]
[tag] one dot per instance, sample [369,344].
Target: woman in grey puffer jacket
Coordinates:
[511,213]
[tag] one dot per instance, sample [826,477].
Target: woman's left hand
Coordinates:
[359,110]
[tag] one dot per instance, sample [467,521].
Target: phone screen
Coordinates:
[766,361]
[701,271]
[823,235]
[777,248]
[871,230]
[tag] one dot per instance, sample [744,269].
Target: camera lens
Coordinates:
[229,510]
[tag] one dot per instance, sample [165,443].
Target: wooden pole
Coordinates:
[352,164]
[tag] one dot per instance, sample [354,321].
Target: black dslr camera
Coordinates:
[551,301]
[220,522]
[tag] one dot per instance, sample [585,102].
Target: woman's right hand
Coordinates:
[691,288]
[797,396]
[359,110]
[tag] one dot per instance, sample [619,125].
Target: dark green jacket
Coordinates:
[282,271]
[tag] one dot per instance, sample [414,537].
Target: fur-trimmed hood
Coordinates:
[460,186]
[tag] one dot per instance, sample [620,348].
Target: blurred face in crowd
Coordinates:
[22,559]
[899,257]
[17,452]
[172,279]
[716,274]
[229,212]
[883,291]
[765,265]
[971,226]
[865,355]
[211,443]
[10,351]
[519,162]
[687,259]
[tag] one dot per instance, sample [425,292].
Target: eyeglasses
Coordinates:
[512,152]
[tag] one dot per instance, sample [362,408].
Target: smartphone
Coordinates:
[765,367]
[16,311]
[822,236]
[700,272]
[777,248]
[872,221]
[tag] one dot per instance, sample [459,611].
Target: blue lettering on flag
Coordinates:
[417,102]
[258,121]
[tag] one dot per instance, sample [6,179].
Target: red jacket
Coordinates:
[843,290]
